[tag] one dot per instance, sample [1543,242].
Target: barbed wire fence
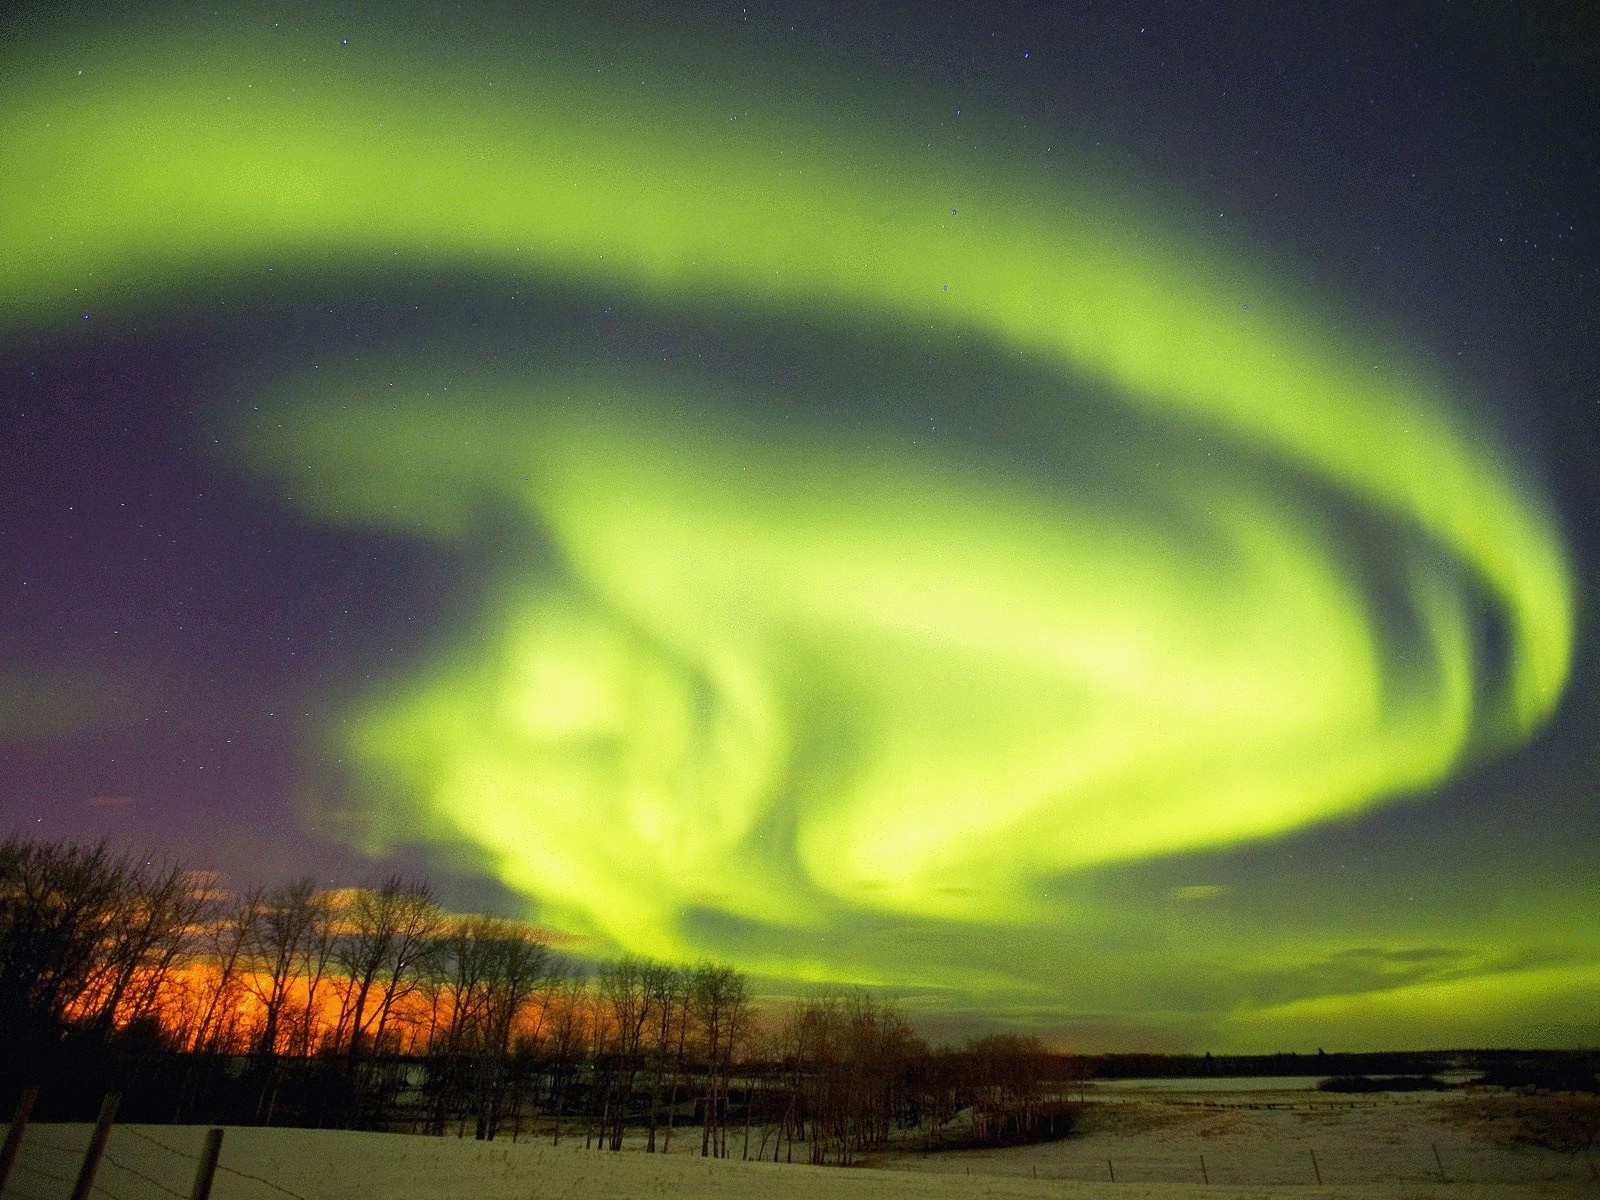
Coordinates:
[47,1171]
[1304,1165]
[221,1166]
[33,1181]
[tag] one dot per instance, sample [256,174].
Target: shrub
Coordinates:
[1399,1083]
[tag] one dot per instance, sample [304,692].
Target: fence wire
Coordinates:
[264,1182]
[70,1151]
[221,1166]
[31,1170]
[139,1133]
[1305,1165]
[76,1152]
[138,1174]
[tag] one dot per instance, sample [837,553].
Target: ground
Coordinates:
[1262,1144]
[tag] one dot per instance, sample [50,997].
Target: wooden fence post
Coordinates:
[19,1123]
[206,1168]
[97,1146]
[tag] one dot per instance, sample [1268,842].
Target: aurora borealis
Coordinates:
[756,504]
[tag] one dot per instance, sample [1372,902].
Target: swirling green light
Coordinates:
[781,677]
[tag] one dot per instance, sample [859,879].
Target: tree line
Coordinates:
[374,1007]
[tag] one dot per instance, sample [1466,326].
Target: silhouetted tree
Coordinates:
[719,999]
[150,929]
[389,936]
[289,939]
[88,942]
[667,989]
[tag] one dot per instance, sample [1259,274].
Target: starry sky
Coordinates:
[1079,515]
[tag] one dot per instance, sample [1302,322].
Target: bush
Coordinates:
[1399,1083]
[1570,1076]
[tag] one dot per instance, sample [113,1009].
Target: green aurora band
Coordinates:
[781,675]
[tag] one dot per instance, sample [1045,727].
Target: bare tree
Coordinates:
[152,926]
[846,1058]
[569,1027]
[91,941]
[666,987]
[390,935]
[225,944]
[1007,1077]
[720,1002]
[56,903]
[516,963]
[225,948]
[459,985]
[316,970]
[628,1000]
[291,923]
[283,927]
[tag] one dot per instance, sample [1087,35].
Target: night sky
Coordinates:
[1081,515]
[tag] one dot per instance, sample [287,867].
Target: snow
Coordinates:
[1364,1151]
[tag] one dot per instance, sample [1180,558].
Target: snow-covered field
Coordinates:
[1285,1142]
[1153,1143]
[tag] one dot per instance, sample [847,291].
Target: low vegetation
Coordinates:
[1570,1123]
[1392,1083]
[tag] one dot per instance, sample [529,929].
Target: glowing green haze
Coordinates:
[776,675]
